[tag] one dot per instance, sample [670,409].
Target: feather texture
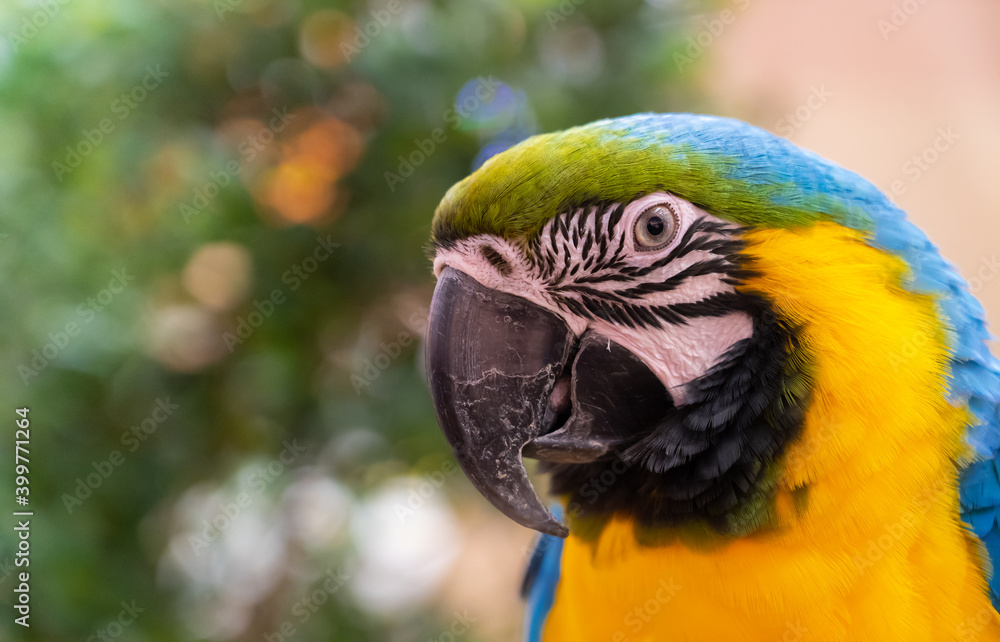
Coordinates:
[538,589]
[900,442]
[868,543]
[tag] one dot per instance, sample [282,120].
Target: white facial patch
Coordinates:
[586,267]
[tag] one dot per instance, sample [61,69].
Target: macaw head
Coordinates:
[631,301]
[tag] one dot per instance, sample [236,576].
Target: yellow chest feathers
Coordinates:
[867,542]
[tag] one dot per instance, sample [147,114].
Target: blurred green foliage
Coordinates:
[159,240]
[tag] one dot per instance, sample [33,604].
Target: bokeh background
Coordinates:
[213,217]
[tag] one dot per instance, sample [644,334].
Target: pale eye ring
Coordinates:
[656,227]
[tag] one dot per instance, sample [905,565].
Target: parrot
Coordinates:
[764,403]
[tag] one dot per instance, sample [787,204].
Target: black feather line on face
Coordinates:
[712,460]
[624,306]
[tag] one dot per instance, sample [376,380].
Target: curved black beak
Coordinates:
[493,360]
[503,386]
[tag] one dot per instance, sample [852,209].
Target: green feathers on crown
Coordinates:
[731,169]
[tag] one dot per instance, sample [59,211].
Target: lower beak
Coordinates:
[509,378]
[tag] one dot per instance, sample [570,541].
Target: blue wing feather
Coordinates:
[539,586]
[974,373]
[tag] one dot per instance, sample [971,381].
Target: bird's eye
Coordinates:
[656,228]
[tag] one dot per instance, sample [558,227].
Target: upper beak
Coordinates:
[509,377]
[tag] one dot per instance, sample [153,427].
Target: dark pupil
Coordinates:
[654,226]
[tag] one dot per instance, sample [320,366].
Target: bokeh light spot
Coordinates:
[303,186]
[218,275]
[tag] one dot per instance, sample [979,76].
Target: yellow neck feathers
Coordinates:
[869,544]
